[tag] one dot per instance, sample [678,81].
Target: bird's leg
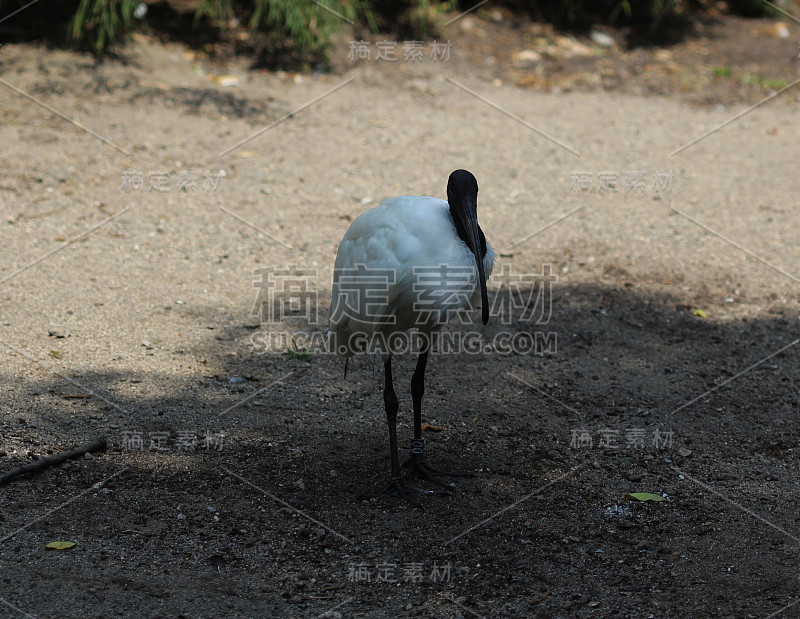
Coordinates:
[396,486]
[392,405]
[416,462]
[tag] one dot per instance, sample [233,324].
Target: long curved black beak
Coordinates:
[470,212]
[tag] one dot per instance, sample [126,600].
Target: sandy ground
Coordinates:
[127,312]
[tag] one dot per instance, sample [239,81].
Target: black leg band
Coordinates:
[417,446]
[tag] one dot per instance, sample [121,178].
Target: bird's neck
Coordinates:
[462,234]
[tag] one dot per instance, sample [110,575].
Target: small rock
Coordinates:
[601,38]
[59,332]
[781,30]
[181,517]
[635,477]
[218,561]
[235,380]
[148,345]
[213,510]
[526,57]
[684,452]
[299,483]
[332,614]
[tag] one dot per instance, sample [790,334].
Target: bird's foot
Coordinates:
[398,488]
[418,469]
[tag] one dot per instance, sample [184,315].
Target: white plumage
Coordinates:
[409,236]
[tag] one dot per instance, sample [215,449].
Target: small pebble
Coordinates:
[601,38]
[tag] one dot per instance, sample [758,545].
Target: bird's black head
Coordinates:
[460,184]
[462,197]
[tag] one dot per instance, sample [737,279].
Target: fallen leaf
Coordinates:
[225,80]
[699,313]
[431,428]
[645,496]
[59,545]
[540,598]
[245,154]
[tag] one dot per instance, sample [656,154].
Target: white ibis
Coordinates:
[410,262]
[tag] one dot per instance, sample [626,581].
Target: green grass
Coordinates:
[296,352]
[752,79]
[100,24]
[308,24]
[764,83]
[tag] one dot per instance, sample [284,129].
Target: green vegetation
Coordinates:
[763,83]
[309,24]
[752,79]
[295,352]
[100,25]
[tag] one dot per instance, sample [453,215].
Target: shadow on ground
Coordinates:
[266,521]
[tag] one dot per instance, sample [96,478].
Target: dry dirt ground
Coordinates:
[127,312]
